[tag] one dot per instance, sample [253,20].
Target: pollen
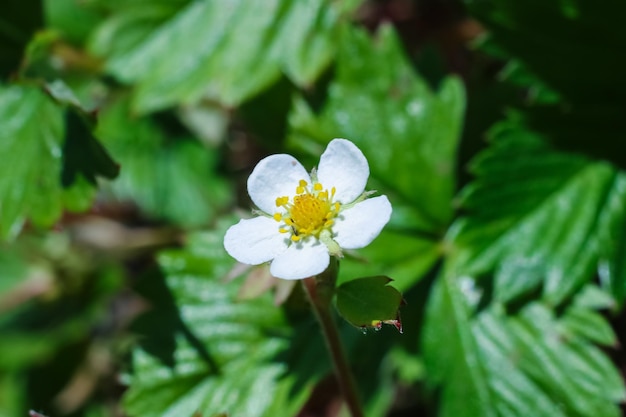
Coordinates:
[309,212]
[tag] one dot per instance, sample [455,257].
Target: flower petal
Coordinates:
[359,225]
[343,166]
[301,260]
[273,177]
[254,241]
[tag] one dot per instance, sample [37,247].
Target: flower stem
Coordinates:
[319,292]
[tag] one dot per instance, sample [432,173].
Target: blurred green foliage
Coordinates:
[224,351]
[128,129]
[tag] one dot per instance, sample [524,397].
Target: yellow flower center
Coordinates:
[311,211]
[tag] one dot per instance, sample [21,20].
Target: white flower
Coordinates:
[306,218]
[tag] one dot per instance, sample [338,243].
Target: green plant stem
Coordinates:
[319,293]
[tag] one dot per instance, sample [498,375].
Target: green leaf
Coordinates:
[541,35]
[612,241]
[211,353]
[73,19]
[452,356]
[130,23]
[205,48]
[590,325]
[538,217]
[366,302]
[83,155]
[550,44]
[11,394]
[409,135]
[403,256]
[529,358]
[523,364]
[125,5]
[33,139]
[394,113]
[516,73]
[33,129]
[167,173]
[225,356]
[594,297]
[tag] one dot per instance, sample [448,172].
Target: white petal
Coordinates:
[254,241]
[359,225]
[301,260]
[273,177]
[343,166]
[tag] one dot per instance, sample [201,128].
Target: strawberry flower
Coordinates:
[306,218]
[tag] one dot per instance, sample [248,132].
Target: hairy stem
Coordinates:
[319,291]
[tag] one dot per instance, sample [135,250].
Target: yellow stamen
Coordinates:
[309,213]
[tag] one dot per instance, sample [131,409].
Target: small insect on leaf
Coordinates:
[370,302]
